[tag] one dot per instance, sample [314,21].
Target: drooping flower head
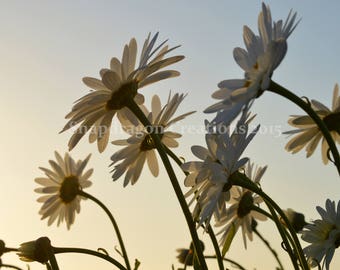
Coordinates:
[263,54]
[297,220]
[308,132]
[35,251]
[117,87]
[323,235]
[209,178]
[140,147]
[240,213]
[61,186]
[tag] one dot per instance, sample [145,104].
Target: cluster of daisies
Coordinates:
[211,190]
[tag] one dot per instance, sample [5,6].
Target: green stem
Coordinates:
[8,249]
[282,91]
[53,261]
[173,156]
[261,211]
[89,252]
[242,180]
[114,223]
[210,230]
[269,247]
[198,249]
[283,236]
[216,248]
[48,266]
[227,260]
[10,266]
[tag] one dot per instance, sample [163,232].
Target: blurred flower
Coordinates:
[118,86]
[38,250]
[309,133]
[140,146]
[61,187]
[323,235]
[186,256]
[297,220]
[208,178]
[241,212]
[262,56]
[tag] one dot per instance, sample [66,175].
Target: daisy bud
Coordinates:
[38,250]
[297,220]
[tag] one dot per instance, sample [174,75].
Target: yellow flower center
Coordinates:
[332,121]
[69,189]
[120,98]
[245,205]
[148,143]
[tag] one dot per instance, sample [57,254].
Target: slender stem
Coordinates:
[89,252]
[216,248]
[227,260]
[114,223]
[197,246]
[283,236]
[269,247]
[53,261]
[48,266]
[8,249]
[242,180]
[295,239]
[10,266]
[210,230]
[278,89]
[173,156]
[261,211]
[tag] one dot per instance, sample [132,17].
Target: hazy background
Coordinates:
[46,47]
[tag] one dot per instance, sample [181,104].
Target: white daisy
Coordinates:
[140,147]
[240,212]
[309,134]
[60,188]
[262,56]
[117,86]
[323,235]
[209,178]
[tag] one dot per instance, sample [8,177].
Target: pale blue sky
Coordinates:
[48,46]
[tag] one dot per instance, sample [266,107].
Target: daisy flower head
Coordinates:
[60,188]
[240,213]
[323,235]
[117,87]
[38,250]
[309,134]
[263,54]
[140,147]
[209,178]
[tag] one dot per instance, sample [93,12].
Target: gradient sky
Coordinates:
[48,46]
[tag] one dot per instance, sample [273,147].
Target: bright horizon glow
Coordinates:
[48,46]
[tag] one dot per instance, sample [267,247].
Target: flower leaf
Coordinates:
[230,236]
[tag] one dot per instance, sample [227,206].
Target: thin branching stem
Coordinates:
[216,247]
[227,260]
[114,223]
[160,148]
[282,91]
[242,180]
[267,244]
[59,250]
